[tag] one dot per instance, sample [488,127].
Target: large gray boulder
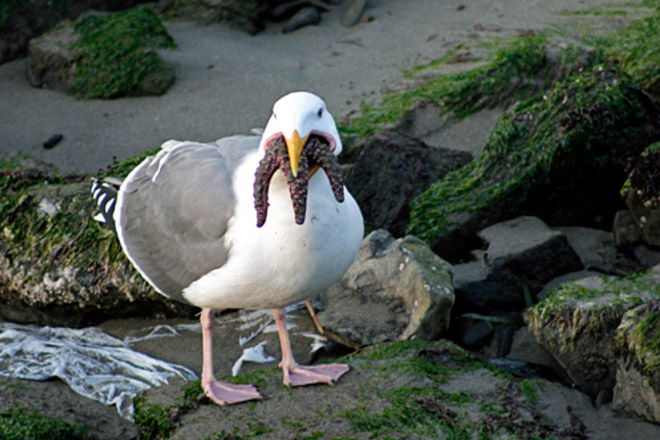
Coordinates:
[395,290]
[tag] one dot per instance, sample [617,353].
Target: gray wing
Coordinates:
[173,209]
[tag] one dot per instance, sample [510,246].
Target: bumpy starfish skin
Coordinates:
[316,152]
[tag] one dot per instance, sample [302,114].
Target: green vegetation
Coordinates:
[638,337]
[636,49]
[542,150]
[17,424]
[521,67]
[647,334]
[70,235]
[515,71]
[537,148]
[574,309]
[116,55]
[153,421]
[404,389]
[67,236]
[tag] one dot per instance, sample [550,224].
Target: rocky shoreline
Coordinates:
[538,253]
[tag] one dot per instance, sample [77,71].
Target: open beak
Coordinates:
[294,145]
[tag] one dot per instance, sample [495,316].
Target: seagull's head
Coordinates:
[300,138]
[296,118]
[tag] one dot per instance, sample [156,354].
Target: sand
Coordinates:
[227,80]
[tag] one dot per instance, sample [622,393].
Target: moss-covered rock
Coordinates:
[400,390]
[556,156]
[104,56]
[637,389]
[577,323]
[515,71]
[57,265]
[636,48]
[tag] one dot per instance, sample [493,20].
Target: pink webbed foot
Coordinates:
[224,393]
[298,375]
[221,393]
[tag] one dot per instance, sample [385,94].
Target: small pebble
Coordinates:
[54,140]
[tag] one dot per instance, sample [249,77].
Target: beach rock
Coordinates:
[285,10]
[577,323]
[598,251]
[395,289]
[525,347]
[523,254]
[647,256]
[391,171]
[24,20]
[60,267]
[303,17]
[564,166]
[625,230]
[405,389]
[73,56]
[637,390]
[472,333]
[51,58]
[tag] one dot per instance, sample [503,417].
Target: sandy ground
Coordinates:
[227,80]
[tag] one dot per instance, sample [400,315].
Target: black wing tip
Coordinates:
[104,191]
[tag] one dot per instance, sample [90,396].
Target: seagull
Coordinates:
[244,222]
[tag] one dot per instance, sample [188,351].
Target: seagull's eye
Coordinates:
[320,112]
[274,115]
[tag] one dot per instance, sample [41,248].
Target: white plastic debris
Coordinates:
[252,354]
[92,363]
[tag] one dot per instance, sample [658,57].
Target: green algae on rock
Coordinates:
[516,71]
[636,48]
[57,265]
[405,389]
[637,389]
[577,323]
[116,56]
[556,156]
[16,424]
[103,56]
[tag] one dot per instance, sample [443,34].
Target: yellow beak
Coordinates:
[295,145]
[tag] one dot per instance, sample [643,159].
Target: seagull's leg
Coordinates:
[294,374]
[221,393]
